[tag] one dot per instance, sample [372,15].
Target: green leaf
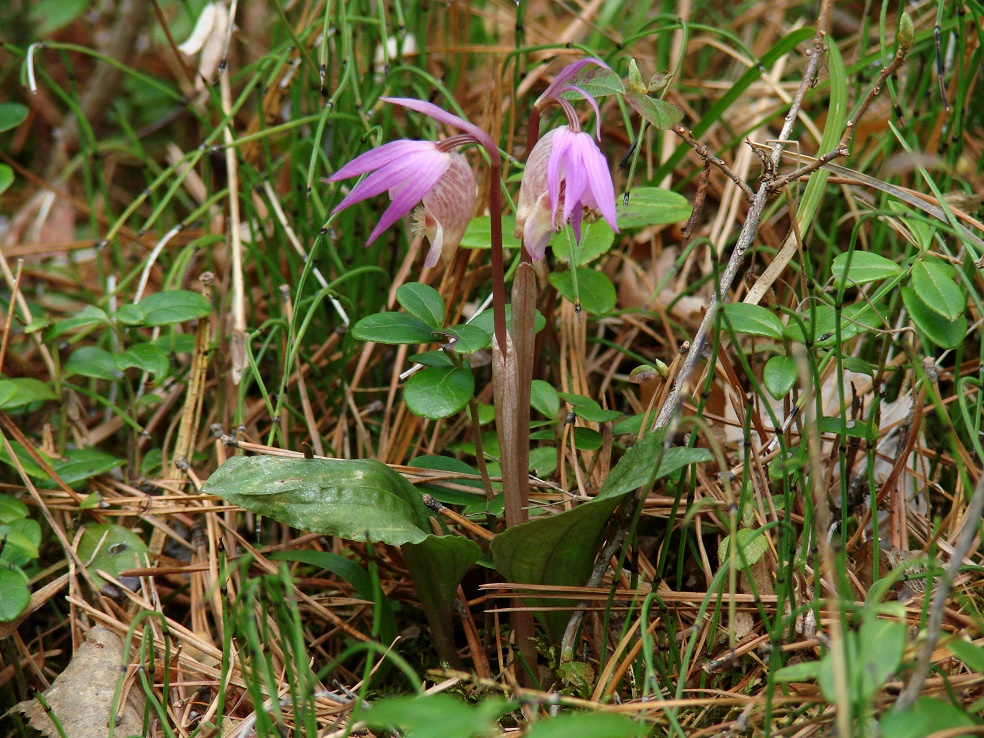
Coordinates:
[544,398]
[393,328]
[933,282]
[638,467]
[87,317]
[851,428]
[436,716]
[6,177]
[449,464]
[469,338]
[779,375]
[21,537]
[432,358]
[92,361]
[423,302]
[594,288]
[80,464]
[805,671]
[596,239]
[649,206]
[51,15]
[21,391]
[111,548]
[750,542]
[596,81]
[129,314]
[553,549]
[821,324]
[970,653]
[173,306]
[27,462]
[658,113]
[485,320]
[941,331]
[587,439]
[334,497]
[14,593]
[439,392]
[146,357]
[12,509]
[478,235]
[543,461]
[927,715]
[11,115]
[588,725]
[863,267]
[755,320]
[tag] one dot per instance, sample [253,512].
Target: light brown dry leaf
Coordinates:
[82,695]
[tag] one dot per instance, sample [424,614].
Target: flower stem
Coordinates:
[498,264]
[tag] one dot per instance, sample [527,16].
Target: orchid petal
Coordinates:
[439,114]
[394,175]
[436,247]
[556,167]
[410,195]
[600,184]
[379,157]
[592,102]
[537,229]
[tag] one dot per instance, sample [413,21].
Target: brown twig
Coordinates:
[703,153]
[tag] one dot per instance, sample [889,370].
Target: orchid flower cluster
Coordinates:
[565,174]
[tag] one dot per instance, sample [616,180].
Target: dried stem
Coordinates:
[703,153]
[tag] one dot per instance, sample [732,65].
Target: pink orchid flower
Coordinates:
[565,173]
[426,172]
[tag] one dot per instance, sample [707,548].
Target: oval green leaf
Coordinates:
[173,306]
[944,333]
[146,357]
[439,392]
[11,115]
[110,548]
[93,362]
[933,282]
[863,267]
[478,235]
[393,328]
[596,239]
[594,289]
[468,338]
[649,206]
[423,302]
[755,320]
[6,177]
[544,398]
[14,594]
[779,375]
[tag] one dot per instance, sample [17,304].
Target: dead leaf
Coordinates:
[82,696]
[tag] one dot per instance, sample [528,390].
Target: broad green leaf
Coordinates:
[821,323]
[645,462]
[14,593]
[87,317]
[588,725]
[544,398]
[21,537]
[129,314]
[436,716]
[587,439]
[543,461]
[941,331]
[11,115]
[863,267]
[970,653]
[27,462]
[111,548]
[881,644]
[649,206]
[21,391]
[779,375]
[553,549]
[393,328]
[432,358]
[12,509]
[805,671]
[146,357]
[173,306]
[92,361]
[439,392]
[80,464]
[334,497]
[423,302]
[596,81]
[851,428]
[750,542]
[485,320]
[933,281]
[755,320]
[51,15]
[594,289]
[658,113]
[436,565]
[469,338]
[478,235]
[926,716]
[596,239]
[6,177]
[353,574]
